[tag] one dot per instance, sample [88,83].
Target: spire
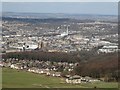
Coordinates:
[67,30]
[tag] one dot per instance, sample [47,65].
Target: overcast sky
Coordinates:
[60,0]
[106,8]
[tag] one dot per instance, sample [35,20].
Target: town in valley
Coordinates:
[77,48]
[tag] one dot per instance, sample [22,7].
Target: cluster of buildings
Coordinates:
[76,79]
[18,36]
[45,68]
[41,67]
[45,71]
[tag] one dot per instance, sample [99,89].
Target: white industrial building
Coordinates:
[108,49]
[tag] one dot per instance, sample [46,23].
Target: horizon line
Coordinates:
[60,13]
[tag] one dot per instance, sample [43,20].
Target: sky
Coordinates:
[60,0]
[104,8]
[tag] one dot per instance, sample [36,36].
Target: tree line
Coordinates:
[100,66]
[42,56]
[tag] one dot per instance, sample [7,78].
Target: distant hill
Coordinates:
[60,15]
[36,20]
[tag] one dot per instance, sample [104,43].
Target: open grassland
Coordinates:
[22,79]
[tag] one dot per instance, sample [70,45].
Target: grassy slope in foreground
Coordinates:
[21,79]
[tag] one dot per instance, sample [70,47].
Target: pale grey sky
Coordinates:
[60,0]
[106,8]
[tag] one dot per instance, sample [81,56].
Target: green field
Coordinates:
[22,79]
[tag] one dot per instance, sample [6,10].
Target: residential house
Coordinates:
[91,80]
[16,66]
[33,69]
[57,74]
[76,79]
[43,71]
[53,73]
